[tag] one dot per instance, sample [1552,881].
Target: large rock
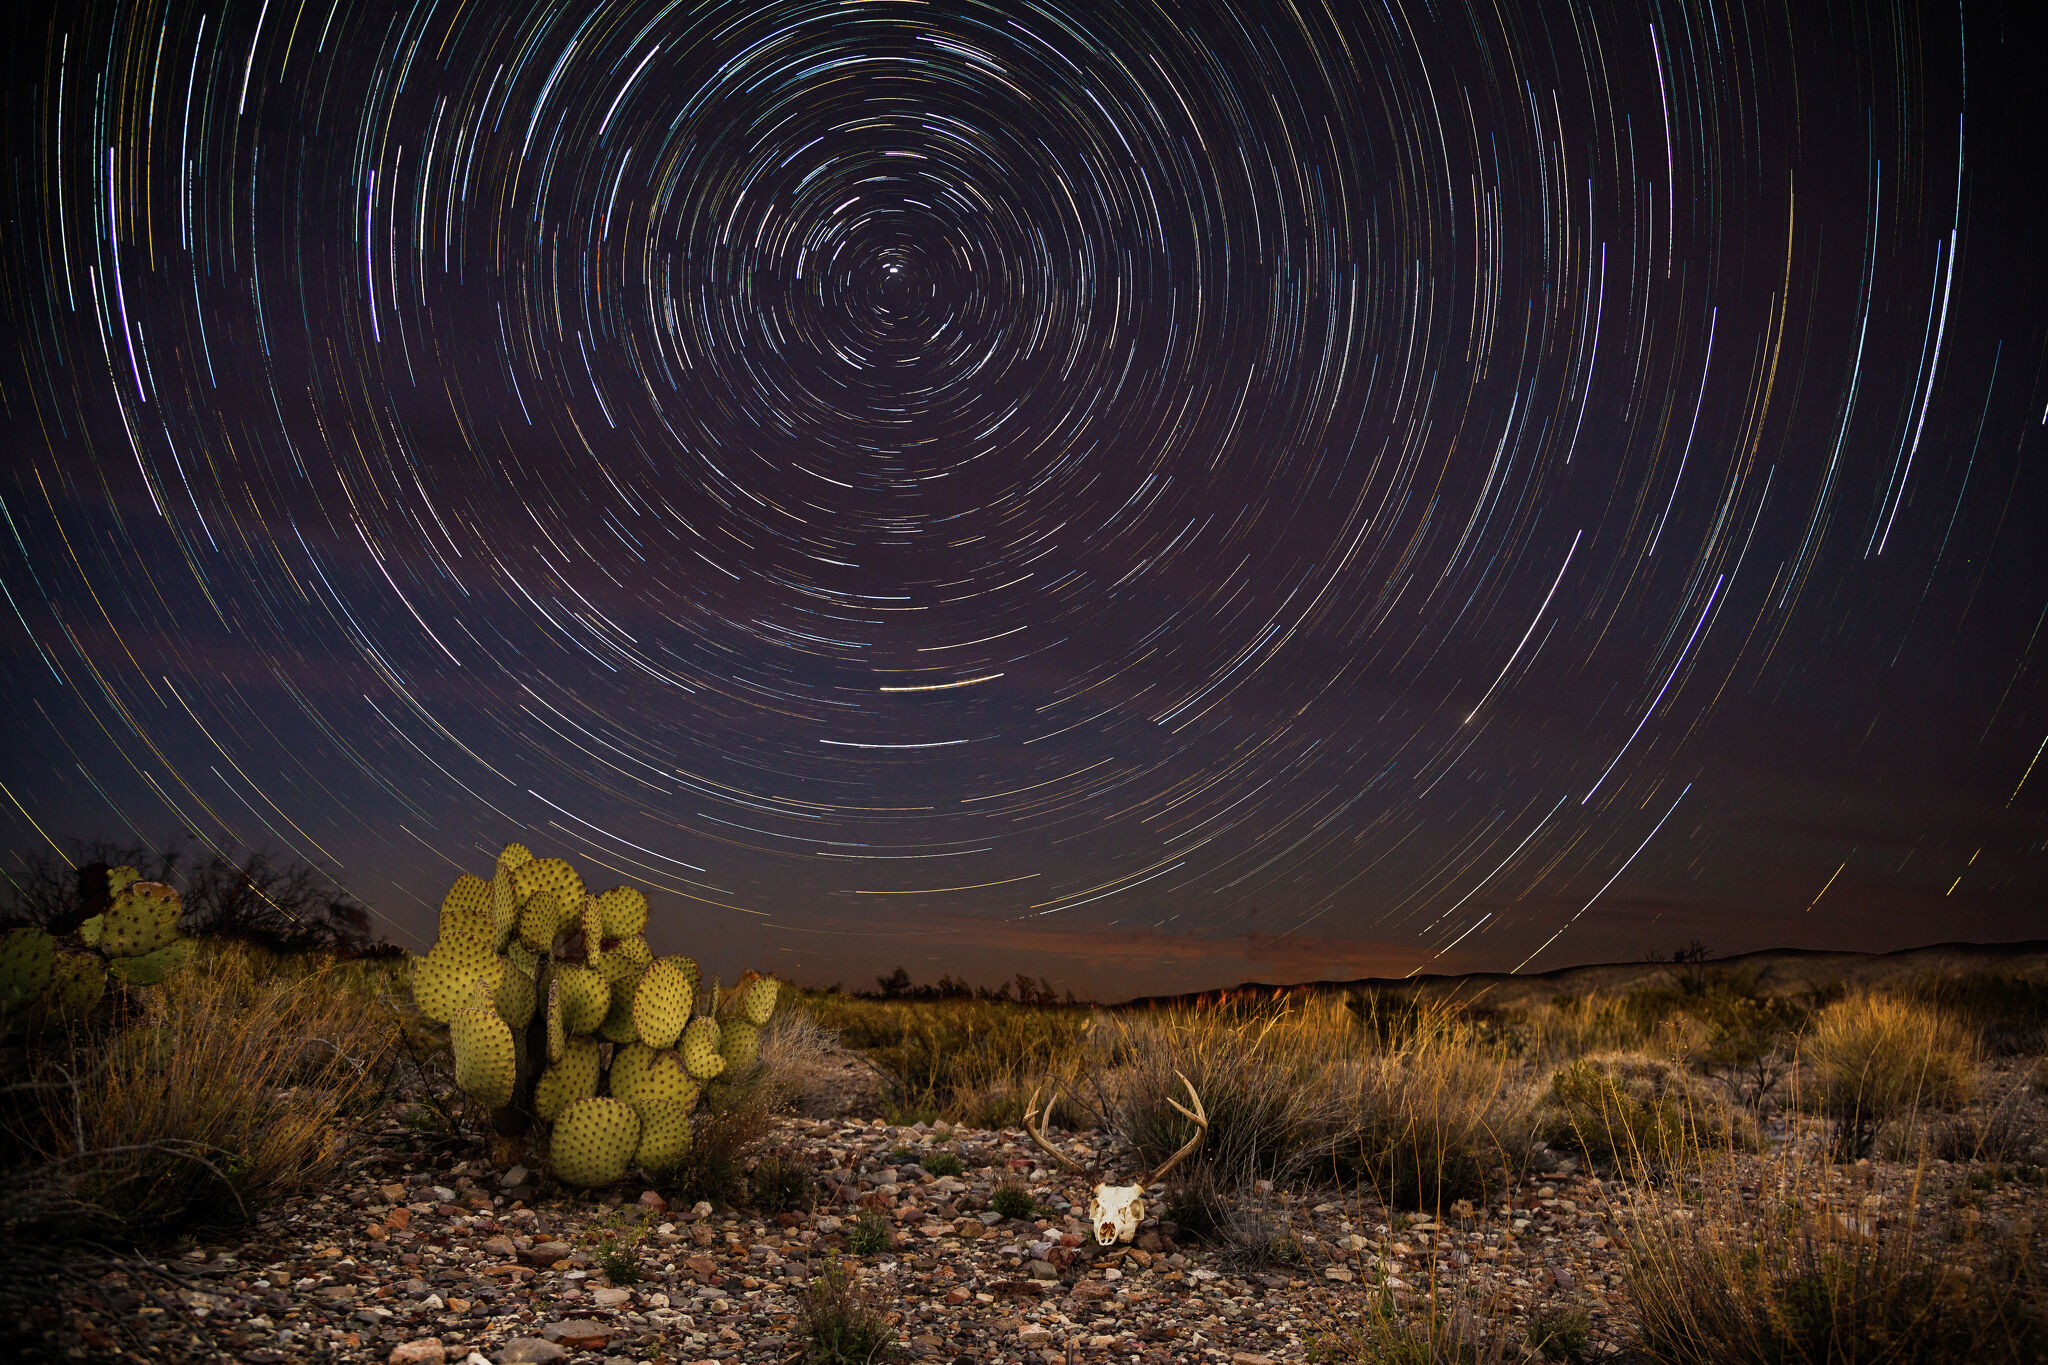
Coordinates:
[425,1351]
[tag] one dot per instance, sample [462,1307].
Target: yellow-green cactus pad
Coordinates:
[593,931]
[700,1049]
[661,1005]
[540,919]
[626,957]
[28,963]
[594,1142]
[629,1064]
[515,998]
[441,979]
[521,957]
[625,911]
[91,929]
[142,919]
[739,1042]
[567,1081]
[664,1134]
[486,1063]
[757,998]
[558,1037]
[513,855]
[618,1025]
[120,878]
[586,998]
[504,906]
[466,909]
[555,874]
[151,968]
[659,1076]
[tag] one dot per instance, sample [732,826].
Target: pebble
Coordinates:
[425,1351]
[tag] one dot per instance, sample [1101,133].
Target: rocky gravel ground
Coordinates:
[418,1256]
[421,1252]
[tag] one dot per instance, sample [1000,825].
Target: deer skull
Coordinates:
[1116,1210]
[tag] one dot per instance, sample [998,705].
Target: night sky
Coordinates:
[1145,494]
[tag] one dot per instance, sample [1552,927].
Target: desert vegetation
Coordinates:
[1846,1171]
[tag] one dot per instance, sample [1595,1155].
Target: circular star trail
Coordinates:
[1297,489]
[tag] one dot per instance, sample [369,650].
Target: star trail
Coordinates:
[1146,494]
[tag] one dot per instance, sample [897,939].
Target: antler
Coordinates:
[1038,1132]
[1200,1118]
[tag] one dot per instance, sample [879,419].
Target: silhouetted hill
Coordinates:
[1775,971]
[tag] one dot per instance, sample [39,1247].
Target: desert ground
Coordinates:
[1779,1158]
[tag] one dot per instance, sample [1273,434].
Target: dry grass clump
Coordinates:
[1793,1272]
[1442,1119]
[1274,1091]
[1869,1059]
[208,1095]
[1629,1110]
[964,1061]
[1416,1330]
[797,1049]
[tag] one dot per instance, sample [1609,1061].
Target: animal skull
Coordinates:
[1116,1210]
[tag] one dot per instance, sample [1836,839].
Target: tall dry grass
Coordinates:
[1789,1265]
[205,1097]
[1870,1059]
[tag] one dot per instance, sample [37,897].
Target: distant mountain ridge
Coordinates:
[1776,971]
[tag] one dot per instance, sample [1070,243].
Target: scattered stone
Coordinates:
[530,1351]
[425,1351]
[578,1334]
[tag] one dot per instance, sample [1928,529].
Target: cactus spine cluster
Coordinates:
[559,1013]
[45,979]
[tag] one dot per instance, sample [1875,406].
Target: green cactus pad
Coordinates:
[522,958]
[28,961]
[661,1005]
[586,998]
[664,1134]
[700,1049]
[486,1063]
[76,985]
[90,931]
[618,1026]
[757,998]
[142,919]
[120,878]
[558,1037]
[151,968]
[625,911]
[629,1064]
[441,979]
[567,1081]
[594,1142]
[515,998]
[540,919]
[739,1042]
[466,909]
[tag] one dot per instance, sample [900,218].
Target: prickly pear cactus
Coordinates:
[50,981]
[560,1014]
